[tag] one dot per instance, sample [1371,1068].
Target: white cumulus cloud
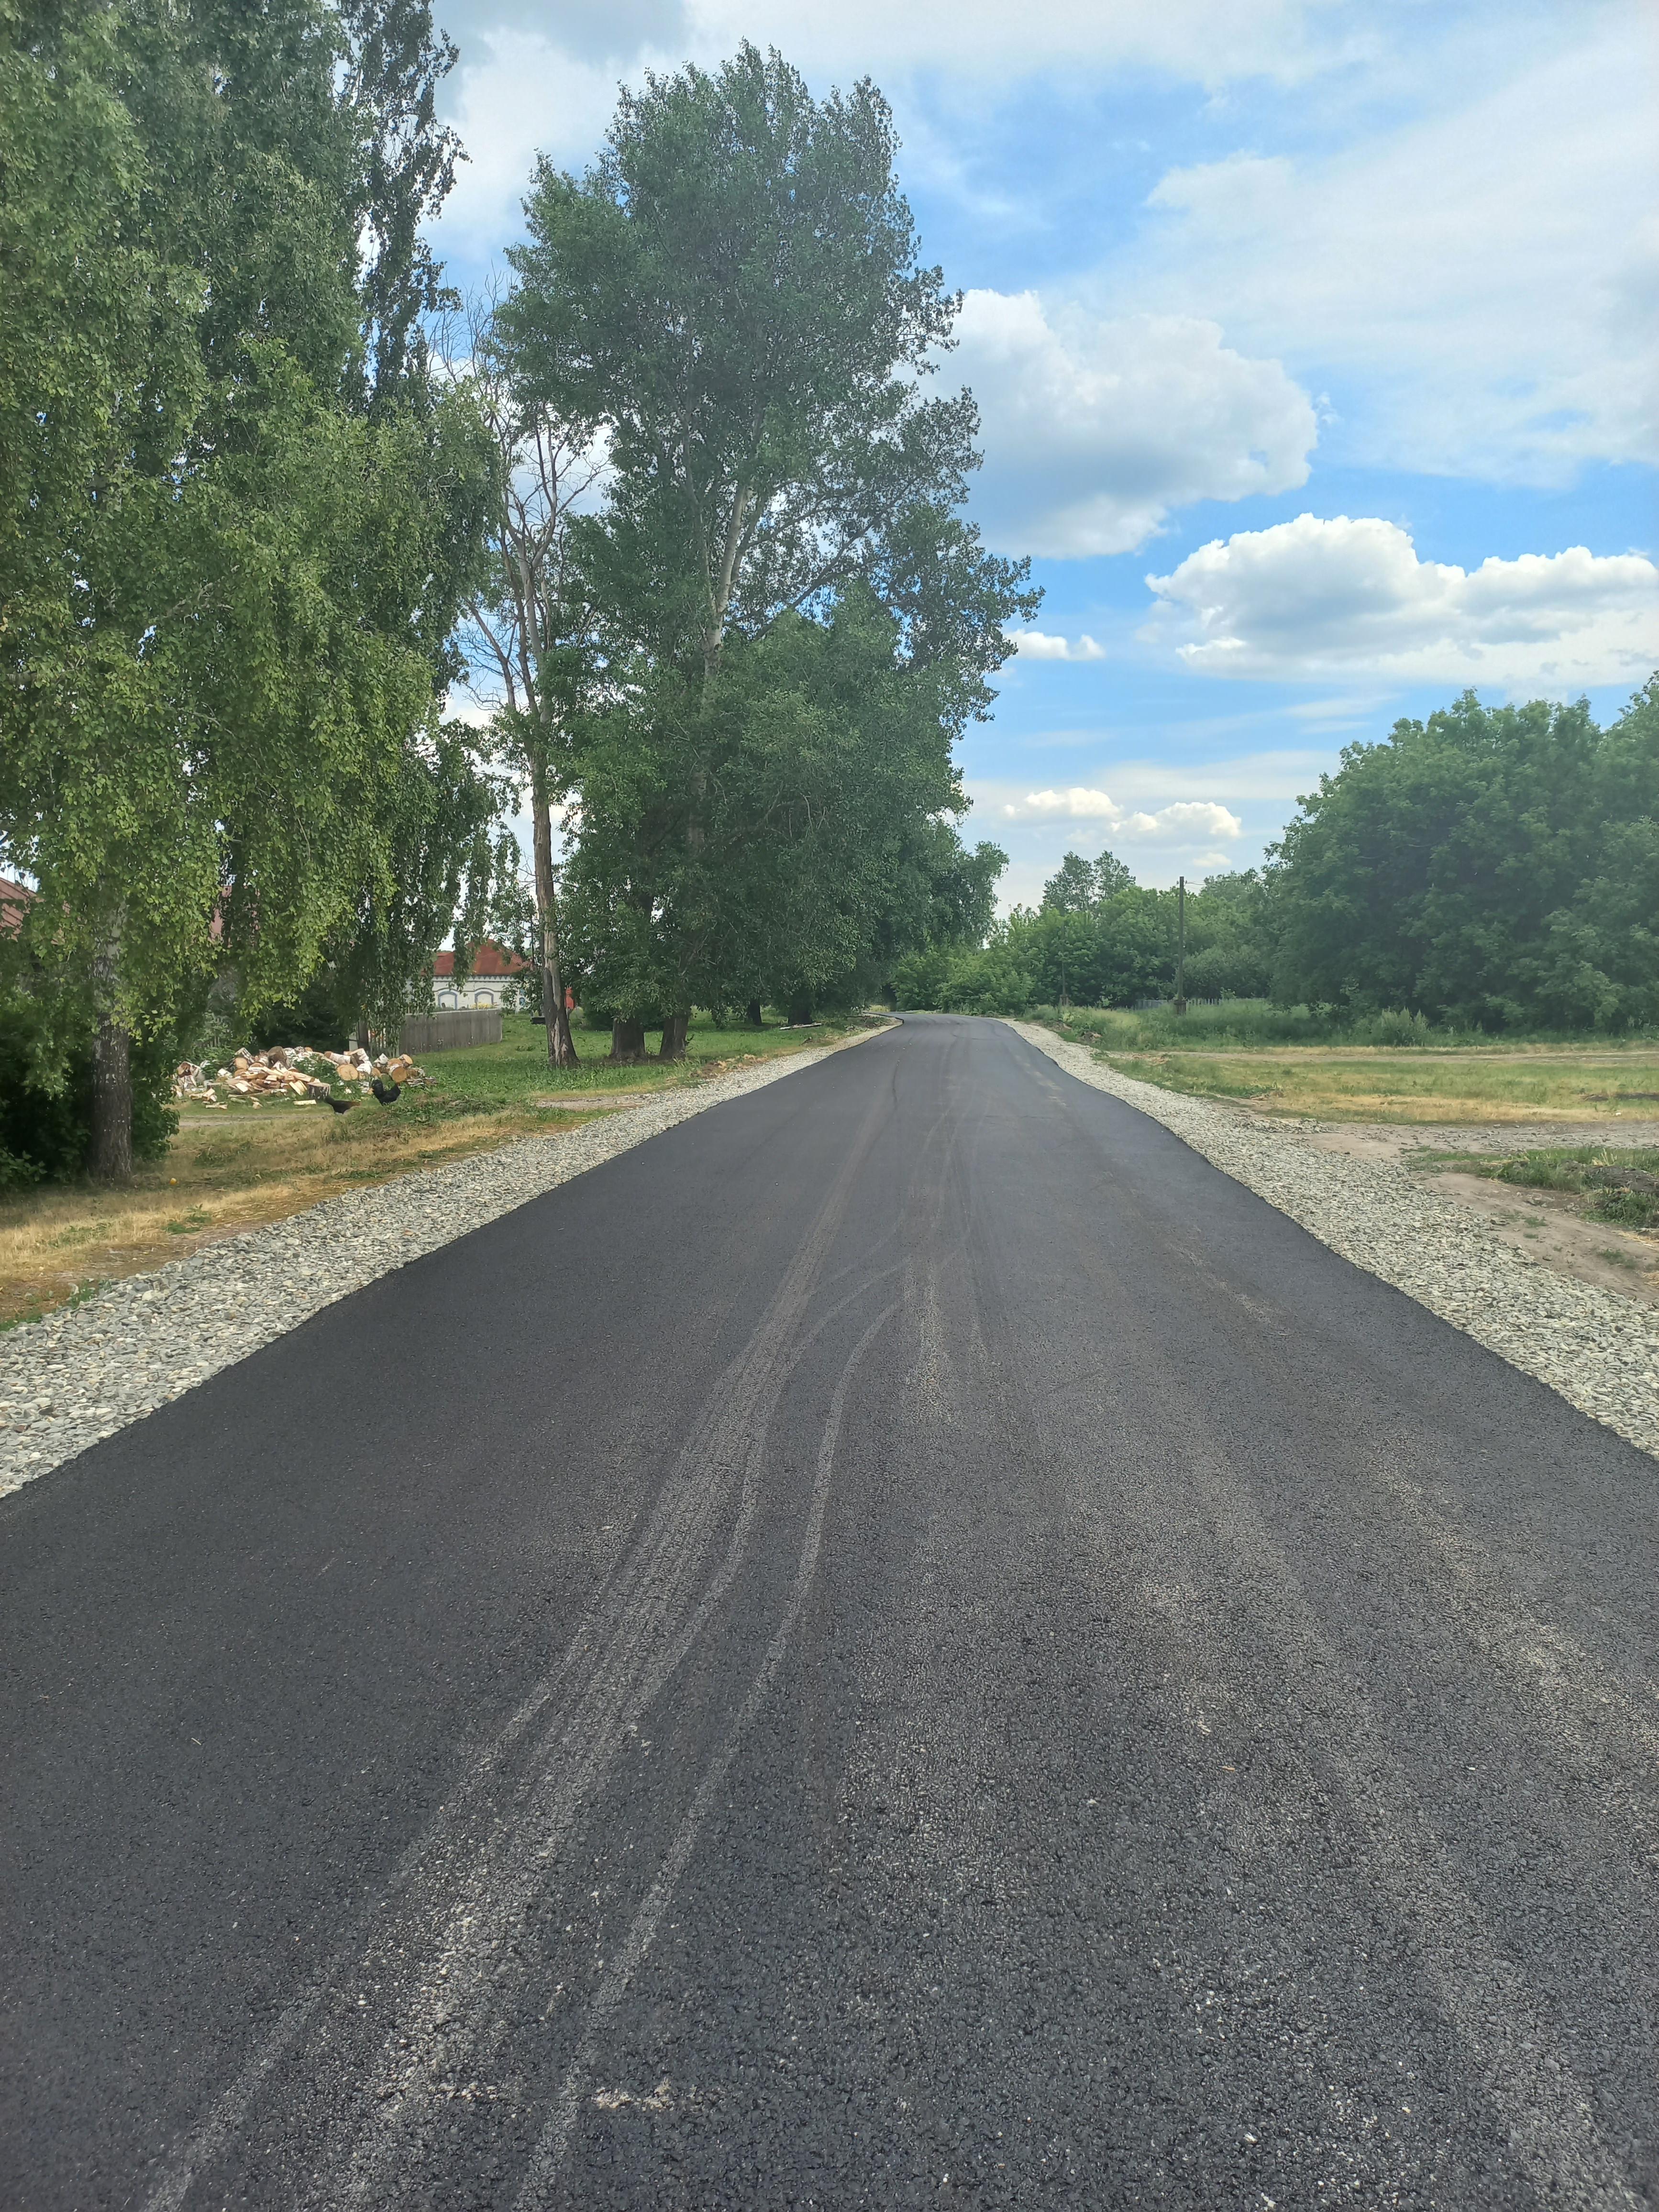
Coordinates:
[1482,278]
[1080,804]
[1200,817]
[1038,645]
[1095,428]
[1314,597]
[1183,819]
[541,75]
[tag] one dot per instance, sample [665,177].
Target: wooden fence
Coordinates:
[452,1026]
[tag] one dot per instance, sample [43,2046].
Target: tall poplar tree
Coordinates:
[733,292]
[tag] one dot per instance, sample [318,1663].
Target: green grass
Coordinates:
[1621,1186]
[485,1078]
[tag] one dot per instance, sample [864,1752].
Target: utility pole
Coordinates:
[1181,953]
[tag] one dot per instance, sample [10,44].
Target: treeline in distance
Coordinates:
[1490,868]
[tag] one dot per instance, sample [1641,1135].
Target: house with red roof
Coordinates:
[492,980]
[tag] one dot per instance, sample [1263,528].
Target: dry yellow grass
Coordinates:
[222,1174]
[1407,1085]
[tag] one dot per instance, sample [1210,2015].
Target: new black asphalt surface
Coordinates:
[906,1641]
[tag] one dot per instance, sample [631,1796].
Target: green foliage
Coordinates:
[1081,949]
[446,864]
[314,1018]
[733,290]
[1498,866]
[1254,1025]
[790,626]
[45,1131]
[1078,886]
[1488,871]
[235,521]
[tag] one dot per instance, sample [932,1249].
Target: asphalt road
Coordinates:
[906,1640]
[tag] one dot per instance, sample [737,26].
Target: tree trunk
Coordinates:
[800,1011]
[111,1105]
[628,1039]
[674,1027]
[111,1159]
[561,1048]
[753,1016]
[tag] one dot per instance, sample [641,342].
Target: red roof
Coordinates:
[14,897]
[491,960]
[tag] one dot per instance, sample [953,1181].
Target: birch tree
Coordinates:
[236,522]
[530,620]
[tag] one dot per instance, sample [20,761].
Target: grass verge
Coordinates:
[250,1164]
[1493,1081]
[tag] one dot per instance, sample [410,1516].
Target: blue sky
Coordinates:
[1316,344]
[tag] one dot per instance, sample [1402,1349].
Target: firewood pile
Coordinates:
[293,1072]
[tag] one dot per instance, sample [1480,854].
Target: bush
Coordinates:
[313,1018]
[1244,1023]
[44,1135]
[16,1171]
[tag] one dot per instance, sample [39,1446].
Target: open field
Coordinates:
[1378,1085]
[1252,1025]
[248,1165]
[1492,1082]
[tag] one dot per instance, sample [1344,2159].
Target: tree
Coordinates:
[733,293]
[1070,889]
[404,168]
[529,620]
[1229,938]
[237,520]
[1486,866]
[826,846]
[1078,884]
[447,864]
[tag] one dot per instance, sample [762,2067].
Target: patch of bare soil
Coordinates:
[1548,1226]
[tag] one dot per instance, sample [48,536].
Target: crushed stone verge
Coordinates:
[77,1375]
[1597,1348]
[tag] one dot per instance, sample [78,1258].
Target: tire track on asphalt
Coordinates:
[550,2148]
[615,1665]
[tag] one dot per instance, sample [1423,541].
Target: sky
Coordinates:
[1315,343]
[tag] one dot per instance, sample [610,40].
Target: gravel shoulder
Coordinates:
[83,1372]
[1598,1347]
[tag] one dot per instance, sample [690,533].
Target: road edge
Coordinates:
[84,1372]
[1596,1349]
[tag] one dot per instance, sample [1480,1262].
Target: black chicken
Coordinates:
[343,1105]
[386,1092]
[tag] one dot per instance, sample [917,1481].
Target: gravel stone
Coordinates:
[80,1374]
[1600,1351]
